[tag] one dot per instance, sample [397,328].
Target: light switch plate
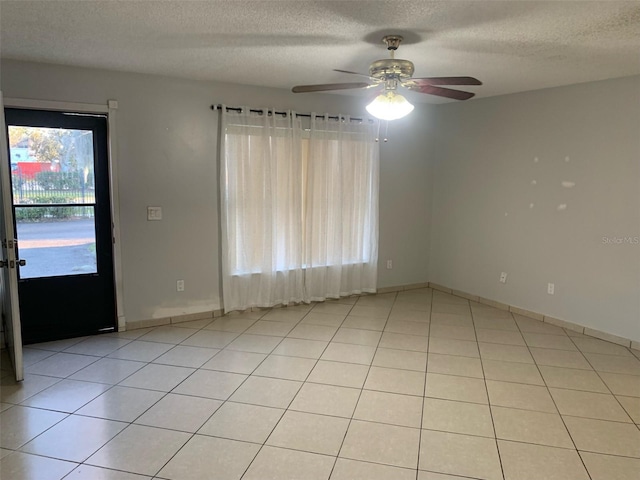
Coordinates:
[154,213]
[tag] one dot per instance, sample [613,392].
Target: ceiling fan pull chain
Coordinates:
[386,130]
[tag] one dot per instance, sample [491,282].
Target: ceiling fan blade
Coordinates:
[328,86]
[353,73]
[442,92]
[446,81]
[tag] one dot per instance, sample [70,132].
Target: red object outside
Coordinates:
[28,170]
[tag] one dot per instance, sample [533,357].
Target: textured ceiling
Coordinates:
[511,46]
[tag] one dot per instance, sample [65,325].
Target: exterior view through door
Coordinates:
[62,215]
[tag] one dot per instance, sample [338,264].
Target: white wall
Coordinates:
[488,217]
[166,148]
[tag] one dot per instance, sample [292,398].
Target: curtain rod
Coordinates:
[284,114]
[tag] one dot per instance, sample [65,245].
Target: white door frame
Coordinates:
[110,110]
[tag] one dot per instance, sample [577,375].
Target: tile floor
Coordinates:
[413,385]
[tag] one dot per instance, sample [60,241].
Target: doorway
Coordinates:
[61,208]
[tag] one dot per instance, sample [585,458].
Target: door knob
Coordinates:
[22,263]
[4,264]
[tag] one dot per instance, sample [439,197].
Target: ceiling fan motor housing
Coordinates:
[391,68]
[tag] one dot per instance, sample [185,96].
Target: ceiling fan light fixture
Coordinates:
[389,106]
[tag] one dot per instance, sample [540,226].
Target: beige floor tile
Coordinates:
[379,443]
[121,403]
[239,421]
[608,467]
[400,341]
[373,312]
[411,306]
[601,436]
[195,462]
[522,461]
[232,323]
[163,378]
[139,449]
[309,432]
[495,323]
[454,365]
[346,469]
[17,392]
[23,466]
[357,336]
[504,337]
[254,343]
[614,363]
[486,311]
[340,374]
[61,365]
[184,356]
[449,387]
[295,347]
[308,331]
[332,308]
[400,315]
[179,412]
[588,404]
[210,339]
[66,396]
[620,384]
[505,353]
[395,409]
[108,370]
[141,351]
[235,361]
[326,400]
[559,358]
[457,417]
[531,427]
[631,405]
[166,335]
[453,332]
[75,438]
[365,323]
[342,352]
[274,463]
[455,454]
[573,379]
[531,325]
[21,424]
[512,372]
[130,334]
[288,368]
[58,345]
[326,319]
[285,315]
[402,359]
[97,345]
[88,472]
[194,324]
[459,309]
[423,475]
[517,395]
[545,340]
[265,327]
[448,346]
[268,392]
[451,319]
[595,345]
[393,380]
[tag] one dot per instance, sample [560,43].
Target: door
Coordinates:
[9,277]
[60,199]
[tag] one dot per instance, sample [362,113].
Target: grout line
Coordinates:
[424,389]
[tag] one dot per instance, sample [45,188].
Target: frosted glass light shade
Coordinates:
[389,106]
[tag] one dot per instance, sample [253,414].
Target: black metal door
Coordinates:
[60,196]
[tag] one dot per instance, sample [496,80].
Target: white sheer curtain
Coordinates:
[261,193]
[341,219]
[299,215]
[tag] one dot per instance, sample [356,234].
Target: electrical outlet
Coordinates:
[551,288]
[389,264]
[180,285]
[503,277]
[154,213]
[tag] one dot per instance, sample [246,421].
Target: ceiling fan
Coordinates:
[392,73]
